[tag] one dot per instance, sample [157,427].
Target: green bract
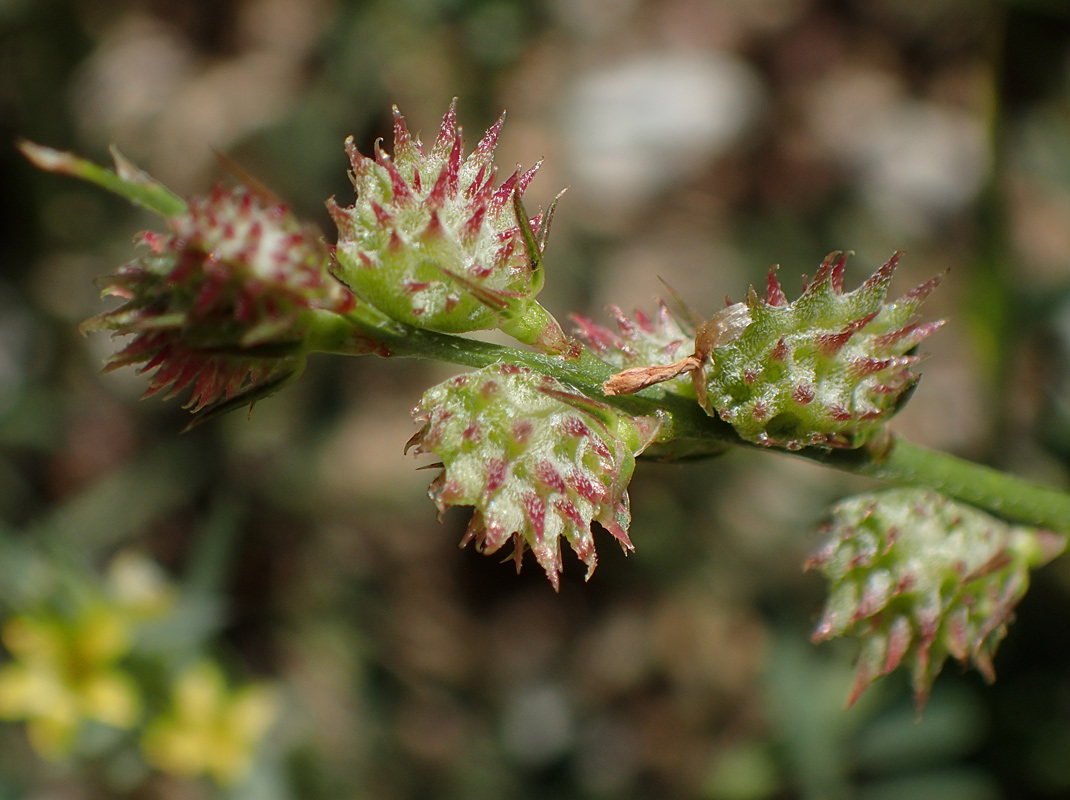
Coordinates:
[827,369]
[916,577]
[537,461]
[432,243]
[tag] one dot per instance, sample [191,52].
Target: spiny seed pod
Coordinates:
[538,462]
[916,577]
[225,301]
[432,243]
[221,303]
[827,369]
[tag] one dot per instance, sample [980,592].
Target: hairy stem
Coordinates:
[688,432]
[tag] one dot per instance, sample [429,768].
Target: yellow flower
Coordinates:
[210,730]
[63,672]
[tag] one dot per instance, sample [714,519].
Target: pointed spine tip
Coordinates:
[502,194]
[485,149]
[836,275]
[357,159]
[774,293]
[916,295]
[402,194]
[403,140]
[883,276]
[448,131]
[453,168]
[525,179]
[824,274]
[436,198]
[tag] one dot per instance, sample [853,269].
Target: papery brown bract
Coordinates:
[640,340]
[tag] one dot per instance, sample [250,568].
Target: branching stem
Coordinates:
[688,432]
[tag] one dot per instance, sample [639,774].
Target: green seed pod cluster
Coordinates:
[538,462]
[916,578]
[827,369]
[432,243]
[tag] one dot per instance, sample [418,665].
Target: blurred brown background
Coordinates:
[702,141]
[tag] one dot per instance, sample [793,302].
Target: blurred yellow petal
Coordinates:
[210,730]
[199,692]
[102,636]
[229,760]
[28,691]
[51,735]
[252,712]
[16,683]
[176,749]
[33,639]
[111,698]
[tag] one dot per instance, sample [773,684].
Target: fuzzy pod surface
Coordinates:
[220,303]
[917,578]
[827,369]
[431,242]
[538,462]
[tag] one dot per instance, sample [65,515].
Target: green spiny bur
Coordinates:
[828,369]
[432,243]
[538,462]
[917,578]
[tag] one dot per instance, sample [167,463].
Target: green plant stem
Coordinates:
[126,180]
[900,461]
[688,432]
[684,423]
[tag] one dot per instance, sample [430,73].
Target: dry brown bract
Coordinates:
[722,328]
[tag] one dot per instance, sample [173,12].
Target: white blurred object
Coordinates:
[916,161]
[921,162]
[637,128]
[537,725]
[170,107]
[592,17]
[137,69]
